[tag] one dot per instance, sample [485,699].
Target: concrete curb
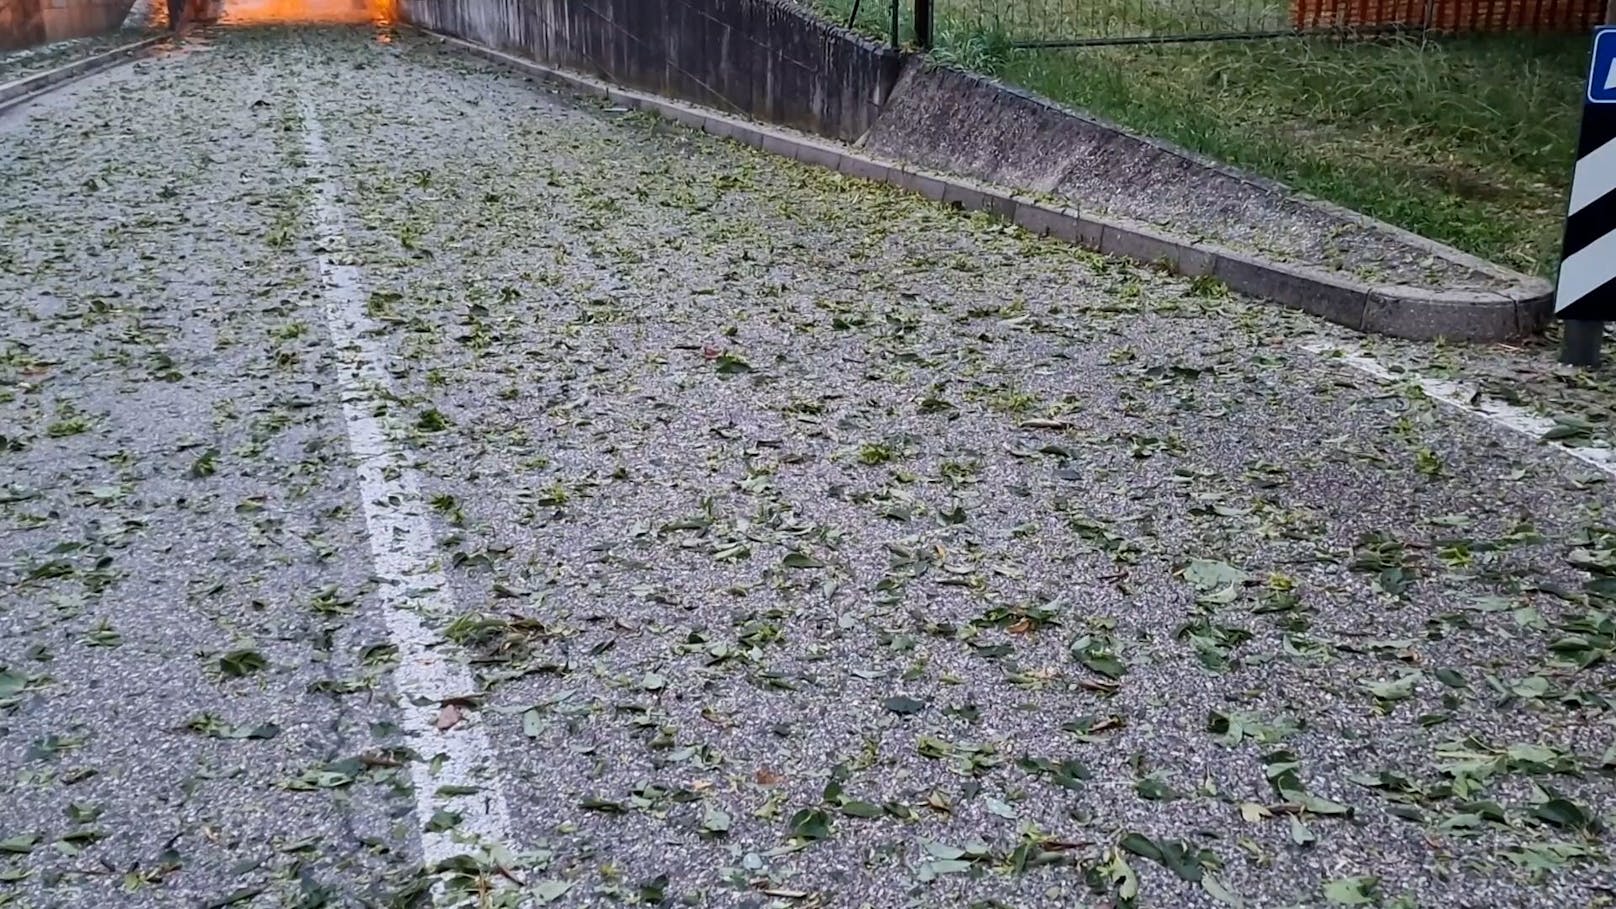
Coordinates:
[1042,136]
[1398,310]
[28,87]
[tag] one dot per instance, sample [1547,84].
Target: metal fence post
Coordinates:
[895,37]
[923,23]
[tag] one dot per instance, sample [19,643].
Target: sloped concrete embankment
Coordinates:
[967,139]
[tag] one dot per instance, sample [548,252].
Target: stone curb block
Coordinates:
[1338,299]
[1400,311]
[1146,244]
[1423,314]
[1059,222]
[14,93]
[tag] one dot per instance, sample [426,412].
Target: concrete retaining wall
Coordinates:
[21,25]
[753,57]
[24,23]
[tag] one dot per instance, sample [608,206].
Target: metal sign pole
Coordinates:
[923,23]
[1579,346]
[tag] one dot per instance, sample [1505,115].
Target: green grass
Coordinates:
[1467,140]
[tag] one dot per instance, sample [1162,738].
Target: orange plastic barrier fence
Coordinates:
[1450,15]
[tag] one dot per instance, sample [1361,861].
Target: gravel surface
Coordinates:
[815,545]
[183,640]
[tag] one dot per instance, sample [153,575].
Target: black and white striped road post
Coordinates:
[1586,294]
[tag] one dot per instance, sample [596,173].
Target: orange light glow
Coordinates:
[314,12]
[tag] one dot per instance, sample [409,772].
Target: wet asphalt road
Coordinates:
[410,474]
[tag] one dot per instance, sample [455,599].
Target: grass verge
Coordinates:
[1467,140]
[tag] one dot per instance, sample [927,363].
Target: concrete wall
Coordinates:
[754,57]
[78,18]
[28,22]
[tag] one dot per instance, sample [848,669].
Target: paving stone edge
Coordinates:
[27,88]
[1402,311]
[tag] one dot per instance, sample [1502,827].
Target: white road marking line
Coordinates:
[412,588]
[1463,397]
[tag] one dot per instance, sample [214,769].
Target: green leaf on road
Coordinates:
[1215,888]
[240,663]
[1451,678]
[654,892]
[1568,815]
[809,824]
[1208,576]
[210,725]
[21,844]
[731,365]
[1001,809]
[432,420]
[1567,428]
[103,635]
[855,808]
[206,465]
[904,706]
[442,820]
[1352,891]
[715,821]
[550,891]
[932,870]
[1181,858]
[1397,689]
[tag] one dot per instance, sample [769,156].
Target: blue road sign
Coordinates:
[1602,76]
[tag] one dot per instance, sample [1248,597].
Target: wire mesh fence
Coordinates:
[1040,22]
